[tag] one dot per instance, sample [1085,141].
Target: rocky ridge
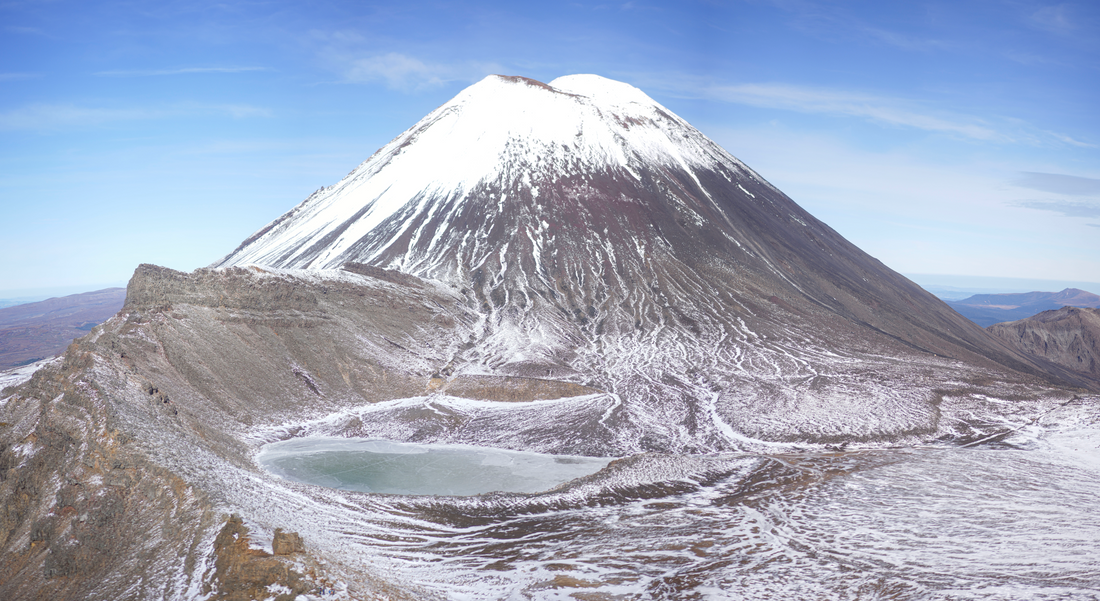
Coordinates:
[1069,336]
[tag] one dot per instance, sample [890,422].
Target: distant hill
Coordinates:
[988,309]
[1069,336]
[34,331]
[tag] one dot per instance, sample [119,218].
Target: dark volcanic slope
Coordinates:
[34,331]
[988,309]
[584,216]
[1069,336]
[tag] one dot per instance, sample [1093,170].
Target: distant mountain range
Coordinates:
[988,309]
[34,331]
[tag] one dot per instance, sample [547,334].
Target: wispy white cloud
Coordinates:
[404,72]
[1058,183]
[1055,19]
[25,30]
[17,76]
[240,111]
[58,117]
[1069,140]
[638,6]
[396,70]
[874,108]
[180,71]
[837,21]
[903,41]
[1062,185]
[357,59]
[883,110]
[1088,210]
[64,116]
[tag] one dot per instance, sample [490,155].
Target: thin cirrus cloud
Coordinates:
[1054,19]
[402,72]
[1065,185]
[25,30]
[1068,140]
[395,70]
[903,41]
[1058,183]
[816,100]
[65,116]
[883,110]
[1069,208]
[17,76]
[180,71]
[57,117]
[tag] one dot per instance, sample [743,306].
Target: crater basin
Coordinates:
[383,466]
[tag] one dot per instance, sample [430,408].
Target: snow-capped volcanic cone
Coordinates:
[509,161]
[609,243]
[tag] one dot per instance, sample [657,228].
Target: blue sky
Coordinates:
[941,137]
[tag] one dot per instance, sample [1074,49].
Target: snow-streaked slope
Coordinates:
[604,241]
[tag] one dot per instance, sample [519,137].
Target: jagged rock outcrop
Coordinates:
[242,573]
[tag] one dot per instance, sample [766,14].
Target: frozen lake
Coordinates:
[381,466]
[1009,518]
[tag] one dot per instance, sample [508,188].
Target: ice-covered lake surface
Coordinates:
[381,466]
[1013,517]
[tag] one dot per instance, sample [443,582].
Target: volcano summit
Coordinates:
[568,269]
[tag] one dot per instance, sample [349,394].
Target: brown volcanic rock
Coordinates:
[242,573]
[1069,337]
[79,505]
[34,331]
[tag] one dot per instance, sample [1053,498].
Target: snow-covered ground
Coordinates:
[18,375]
[1007,519]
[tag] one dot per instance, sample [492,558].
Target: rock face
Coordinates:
[243,573]
[1069,337]
[619,287]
